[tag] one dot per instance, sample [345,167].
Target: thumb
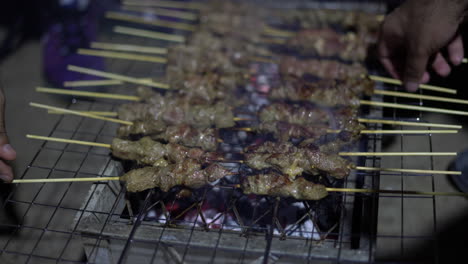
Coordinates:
[415,66]
[6,150]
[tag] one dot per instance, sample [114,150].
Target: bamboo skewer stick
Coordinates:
[162,12]
[275,41]
[417,132]
[91,83]
[99,113]
[412,107]
[70,141]
[128,47]
[149,34]
[352,190]
[406,123]
[166,4]
[121,55]
[68,111]
[421,96]
[117,77]
[87,143]
[90,179]
[141,20]
[410,171]
[409,131]
[368,154]
[422,86]
[329,189]
[277,32]
[88,94]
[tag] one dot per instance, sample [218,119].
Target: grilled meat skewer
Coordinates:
[187,172]
[185,135]
[325,69]
[149,152]
[286,121]
[329,93]
[328,43]
[293,161]
[275,184]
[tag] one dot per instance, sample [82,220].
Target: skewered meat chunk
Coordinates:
[275,184]
[284,131]
[328,43]
[192,59]
[293,161]
[236,49]
[146,126]
[343,118]
[240,26]
[286,121]
[177,110]
[294,114]
[182,134]
[191,137]
[202,88]
[188,173]
[320,18]
[324,92]
[198,116]
[326,69]
[149,152]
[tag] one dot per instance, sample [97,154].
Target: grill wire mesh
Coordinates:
[92,223]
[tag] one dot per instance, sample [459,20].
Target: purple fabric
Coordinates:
[61,43]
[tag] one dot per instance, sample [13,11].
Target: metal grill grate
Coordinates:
[91,223]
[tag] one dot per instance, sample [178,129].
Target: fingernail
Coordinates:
[6,178]
[411,86]
[8,148]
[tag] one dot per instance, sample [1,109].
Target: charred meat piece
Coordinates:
[328,43]
[188,173]
[325,69]
[293,161]
[329,93]
[275,184]
[149,152]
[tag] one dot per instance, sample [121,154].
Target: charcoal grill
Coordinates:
[101,223]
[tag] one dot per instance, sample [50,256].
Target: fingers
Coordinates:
[440,65]
[455,50]
[389,65]
[6,150]
[384,57]
[415,67]
[6,173]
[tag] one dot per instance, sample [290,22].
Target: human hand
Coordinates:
[417,32]
[7,153]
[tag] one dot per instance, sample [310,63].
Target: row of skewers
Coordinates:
[207,71]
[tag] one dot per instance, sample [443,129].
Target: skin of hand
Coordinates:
[413,37]
[7,153]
